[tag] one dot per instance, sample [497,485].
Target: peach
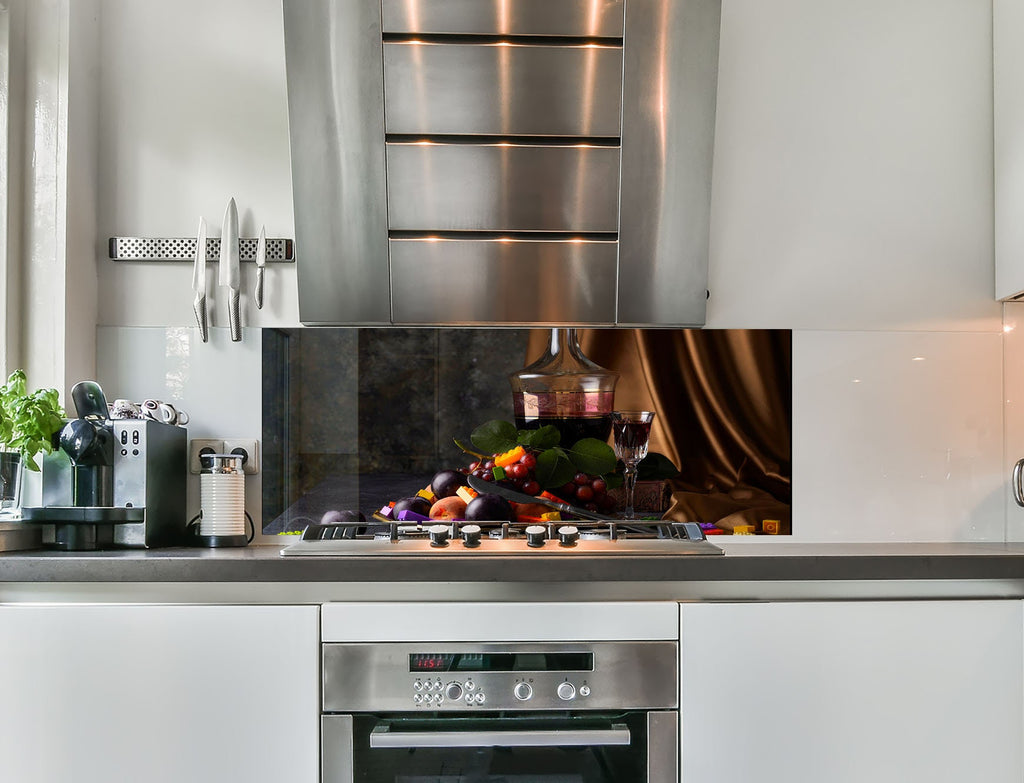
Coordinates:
[452,507]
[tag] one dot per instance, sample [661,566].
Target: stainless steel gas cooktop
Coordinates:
[637,538]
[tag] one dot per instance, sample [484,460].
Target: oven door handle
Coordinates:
[383,737]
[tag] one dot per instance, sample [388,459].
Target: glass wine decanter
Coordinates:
[566,389]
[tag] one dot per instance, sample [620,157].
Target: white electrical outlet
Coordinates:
[250,448]
[197,446]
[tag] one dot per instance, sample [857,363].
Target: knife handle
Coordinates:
[234,317]
[199,306]
[258,294]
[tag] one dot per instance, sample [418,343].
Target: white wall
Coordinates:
[852,203]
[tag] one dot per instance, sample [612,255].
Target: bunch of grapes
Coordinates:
[589,492]
[586,491]
[520,474]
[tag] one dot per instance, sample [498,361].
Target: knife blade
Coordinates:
[261,262]
[229,272]
[199,282]
[494,488]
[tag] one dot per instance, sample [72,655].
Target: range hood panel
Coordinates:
[502,188]
[580,131]
[492,89]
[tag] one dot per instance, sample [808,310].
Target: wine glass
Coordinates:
[632,430]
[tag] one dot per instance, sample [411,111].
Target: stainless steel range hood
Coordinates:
[502,162]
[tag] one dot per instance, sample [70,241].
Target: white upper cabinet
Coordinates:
[1008,111]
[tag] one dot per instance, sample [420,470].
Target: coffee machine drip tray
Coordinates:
[78,528]
[90,515]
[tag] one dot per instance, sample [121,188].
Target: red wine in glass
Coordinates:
[632,430]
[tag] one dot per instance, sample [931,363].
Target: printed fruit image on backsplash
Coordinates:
[532,461]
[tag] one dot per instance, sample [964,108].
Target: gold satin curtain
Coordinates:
[723,405]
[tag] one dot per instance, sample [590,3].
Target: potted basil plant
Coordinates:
[28,423]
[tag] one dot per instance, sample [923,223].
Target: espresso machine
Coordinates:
[112,483]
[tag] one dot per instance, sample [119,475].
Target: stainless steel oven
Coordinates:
[518,712]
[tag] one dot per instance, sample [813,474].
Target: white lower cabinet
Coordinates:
[852,692]
[159,694]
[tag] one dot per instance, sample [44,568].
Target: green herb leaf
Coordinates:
[542,438]
[495,436]
[553,468]
[592,456]
[654,467]
[28,422]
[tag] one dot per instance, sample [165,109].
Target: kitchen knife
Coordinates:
[229,273]
[494,488]
[199,281]
[261,262]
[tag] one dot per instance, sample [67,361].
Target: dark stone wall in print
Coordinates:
[347,411]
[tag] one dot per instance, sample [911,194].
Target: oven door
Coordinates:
[630,747]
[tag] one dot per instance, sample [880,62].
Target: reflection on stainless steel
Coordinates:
[627,675]
[663,751]
[668,129]
[336,120]
[444,88]
[546,120]
[502,187]
[592,18]
[425,272]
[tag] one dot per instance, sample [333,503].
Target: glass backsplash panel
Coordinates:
[354,418]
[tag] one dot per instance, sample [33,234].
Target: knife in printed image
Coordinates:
[229,272]
[199,281]
[261,262]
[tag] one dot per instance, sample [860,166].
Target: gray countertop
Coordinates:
[754,561]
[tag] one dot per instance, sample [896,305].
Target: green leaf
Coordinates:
[542,438]
[553,469]
[654,467]
[613,480]
[28,422]
[495,436]
[592,456]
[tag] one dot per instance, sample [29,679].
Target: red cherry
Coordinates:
[584,493]
[598,485]
[531,488]
[528,460]
[581,479]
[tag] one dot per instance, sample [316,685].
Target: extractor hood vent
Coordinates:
[502,162]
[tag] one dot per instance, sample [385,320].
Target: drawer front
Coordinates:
[496,187]
[455,281]
[502,89]
[502,17]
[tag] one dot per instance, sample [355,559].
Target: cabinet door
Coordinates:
[852,692]
[162,694]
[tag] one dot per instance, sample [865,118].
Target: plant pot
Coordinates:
[11,469]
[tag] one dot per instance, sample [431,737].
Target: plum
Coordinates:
[446,483]
[487,507]
[335,517]
[416,504]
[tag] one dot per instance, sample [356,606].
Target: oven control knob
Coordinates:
[584,690]
[438,535]
[522,691]
[536,535]
[566,691]
[453,692]
[568,535]
[471,535]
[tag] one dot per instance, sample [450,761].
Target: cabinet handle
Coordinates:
[1018,487]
